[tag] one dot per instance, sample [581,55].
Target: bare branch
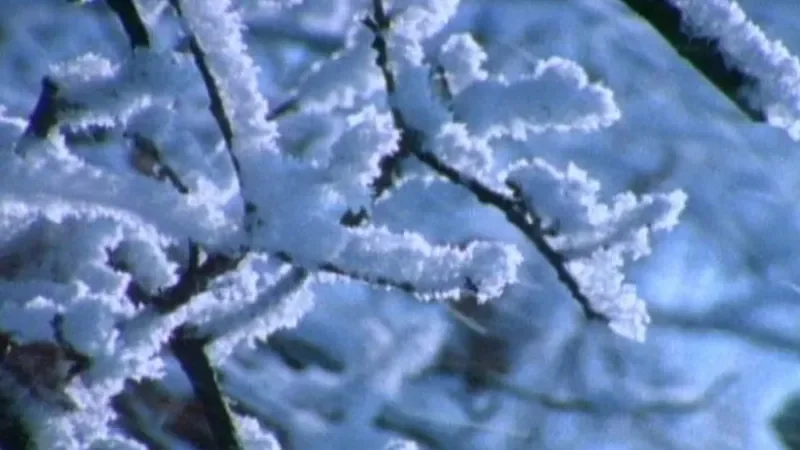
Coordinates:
[131,22]
[44,117]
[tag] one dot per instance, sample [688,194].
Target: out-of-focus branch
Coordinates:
[13,432]
[44,117]
[131,22]
[147,159]
[703,54]
[522,216]
[760,336]
[289,106]
[272,29]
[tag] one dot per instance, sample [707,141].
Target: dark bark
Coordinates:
[131,22]
[44,117]
[194,280]
[191,354]
[13,433]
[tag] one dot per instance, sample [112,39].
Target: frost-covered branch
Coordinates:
[237,320]
[457,145]
[412,143]
[521,216]
[390,164]
[284,195]
[704,53]
[194,280]
[213,90]
[757,74]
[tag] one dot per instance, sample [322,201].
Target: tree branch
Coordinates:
[195,279]
[131,21]
[217,108]
[148,160]
[44,117]
[400,285]
[190,352]
[702,53]
[390,164]
[13,432]
[522,216]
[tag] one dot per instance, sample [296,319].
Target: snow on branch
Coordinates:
[229,75]
[290,200]
[596,239]
[93,90]
[557,96]
[759,75]
[240,309]
[427,271]
[344,80]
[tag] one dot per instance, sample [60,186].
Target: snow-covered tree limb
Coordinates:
[617,305]
[757,74]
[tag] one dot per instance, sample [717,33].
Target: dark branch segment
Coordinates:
[216,107]
[44,117]
[191,354]
[702,53]
[389,164]
[195,280]
[131,22]
[519,215]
